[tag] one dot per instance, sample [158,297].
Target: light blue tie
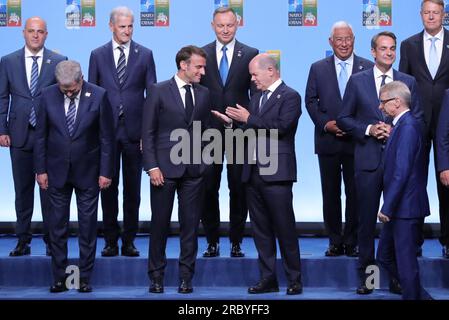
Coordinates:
[342,78]
[224,66]
[33,88]
[70,117]
[433,58]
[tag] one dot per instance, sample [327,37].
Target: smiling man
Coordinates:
[23,74]
[362,119]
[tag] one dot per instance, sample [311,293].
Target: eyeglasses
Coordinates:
[387,100]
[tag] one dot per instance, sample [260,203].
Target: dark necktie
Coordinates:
[382,83]
[188,102]
[121,69]
[33,88]
[224,66]
[264,99]
[70,117]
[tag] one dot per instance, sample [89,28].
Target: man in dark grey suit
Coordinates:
[229,83]
[425,56]
[335,150]
[178,104]
[23,74]
[126,70]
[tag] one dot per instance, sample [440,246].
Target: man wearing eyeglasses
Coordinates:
[361,118]
[335,149]
[425,56]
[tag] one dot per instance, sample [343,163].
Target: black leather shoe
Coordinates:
[22,249]
[363,289]
[58,286]
[185,286]
[213,250]
[395,286]
[351,251]
[334,251]
[294,288]
[264,286]
[446,252]
[419,252]
[236,251]
[130,250]
[110,250]
[156,286]
[84,286]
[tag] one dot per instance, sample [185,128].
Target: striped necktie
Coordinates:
[70,117]
[121,70]
[33,88]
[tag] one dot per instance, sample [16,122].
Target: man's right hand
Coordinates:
[444,178]
[42,180]
[156,177]
[5,141]
[380,130]
[331,127]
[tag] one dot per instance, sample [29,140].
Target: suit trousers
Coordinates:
[396,252]
[332,169]
[190,201]
[24,184]
[127,153]
[271,212]
[368,185]
[87,204]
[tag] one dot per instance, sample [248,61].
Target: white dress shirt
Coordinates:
[117,52]
[229,53]
[29,62]
[349,65]
[67,103]
[182,91]
[438,44]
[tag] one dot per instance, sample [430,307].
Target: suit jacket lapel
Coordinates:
[372,91]
[213,65]
[444,55]
[331,69]
[45,72]
[236,61]
[23,72]
[421,56]
[132,58]
[109,58]
[83,107]
[177,96]
[273,99]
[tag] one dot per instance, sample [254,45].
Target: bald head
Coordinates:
[35,33]
[264,71]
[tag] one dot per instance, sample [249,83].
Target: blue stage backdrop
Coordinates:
[183,22]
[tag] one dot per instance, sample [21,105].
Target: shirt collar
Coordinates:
[439,35]
[29,54]
[378,73]
[78,96]
[349,61]
[115,45]
[274,85]
[180,83]
[230,45]
[396,119]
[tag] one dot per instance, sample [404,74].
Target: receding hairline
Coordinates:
[36,19]
[120,11]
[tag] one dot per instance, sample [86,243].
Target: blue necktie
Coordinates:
[224,66]
[433,58]
[264,99]
[33,88]
[342,78]
[121,69]
[70,117]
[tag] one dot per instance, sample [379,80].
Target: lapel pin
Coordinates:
[239,53]
[48,61]
[136,50]
[87,94]
[278,96]
[360,67]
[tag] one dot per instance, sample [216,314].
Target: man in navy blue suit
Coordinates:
[404,193]
[425,56]
[228,80]
[23,74]
[178,104]
[362,119]
[126,70]
[335,150]
[269,183]
[73,151]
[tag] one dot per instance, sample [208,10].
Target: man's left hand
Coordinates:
[238,113]
[104,182]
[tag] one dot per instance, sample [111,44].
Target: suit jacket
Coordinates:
[324,103]
[163,113]
[85,156]
[361,108]
[140,74]
[281,111]
[431,90]
[405,171]
[15,96]
[238,83]
[442,135]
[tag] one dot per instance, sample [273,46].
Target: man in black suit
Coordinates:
[425,56]
[335,150]
[179,104]
[229,83]
[23,74]
[73,151]
[126,70]
[276,108]
[360,117]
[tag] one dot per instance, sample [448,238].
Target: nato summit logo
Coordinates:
[236,5]
[302,13]
[376,13]
[154,13]
[10,13]
[79,13]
